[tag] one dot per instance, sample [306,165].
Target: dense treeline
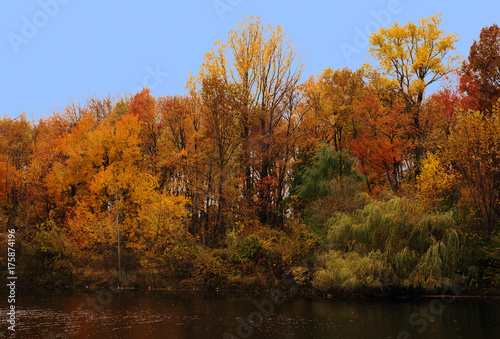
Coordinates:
[350,180]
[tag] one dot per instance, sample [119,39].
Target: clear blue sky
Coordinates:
[56,50]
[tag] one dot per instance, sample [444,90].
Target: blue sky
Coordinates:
[54,51]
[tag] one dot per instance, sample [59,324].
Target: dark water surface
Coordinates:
[155,315]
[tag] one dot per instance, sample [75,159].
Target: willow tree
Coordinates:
[414,57]
[262,62]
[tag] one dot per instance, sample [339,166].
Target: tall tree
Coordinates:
[332,99]
[181,154]
[222,105]
[263,63]
[378,133]
[414,57]
[16,142]
[481,71]
[474,151]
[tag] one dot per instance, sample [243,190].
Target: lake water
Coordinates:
[155,315]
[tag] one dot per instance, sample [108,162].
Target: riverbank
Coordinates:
[288,289]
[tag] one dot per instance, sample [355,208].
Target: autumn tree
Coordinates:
[179,125]
[16,142]
[359,111]
[42,202]
[263,63]
[473,150]
[331,100]
[222,104]
[181,155]
[162,231]
[481,71]
[414,57]
[436,183]
[378,132]
[105,186]
[143,106]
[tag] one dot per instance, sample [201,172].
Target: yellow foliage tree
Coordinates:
[414,57]
[101,174]
[474,150]
[262,64]
[435,182]
[162,227]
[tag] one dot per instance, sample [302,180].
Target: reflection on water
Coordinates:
[154,315]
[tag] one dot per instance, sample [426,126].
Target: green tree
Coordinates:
[329,184]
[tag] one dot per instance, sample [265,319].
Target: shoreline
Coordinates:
[261,293]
